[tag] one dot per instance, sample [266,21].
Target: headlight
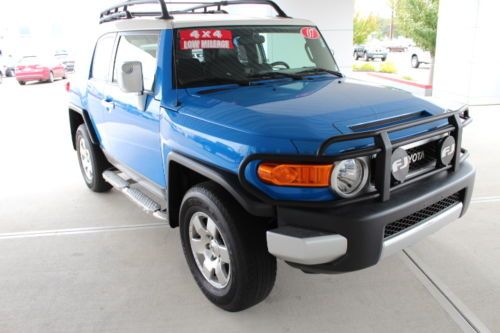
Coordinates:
[349,177]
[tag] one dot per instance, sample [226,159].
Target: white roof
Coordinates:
[197,20]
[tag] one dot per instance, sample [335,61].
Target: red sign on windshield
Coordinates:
[206,39]
[310,33]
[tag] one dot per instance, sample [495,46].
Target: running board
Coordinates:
[139,198]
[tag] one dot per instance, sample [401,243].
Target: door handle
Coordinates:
[108,105]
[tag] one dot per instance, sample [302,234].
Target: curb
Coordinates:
[409,83]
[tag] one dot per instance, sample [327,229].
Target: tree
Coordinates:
[364,27]
[417,19]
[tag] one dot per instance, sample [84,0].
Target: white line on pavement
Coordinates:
[77,231]
[460,313]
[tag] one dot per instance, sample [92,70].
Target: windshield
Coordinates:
[222,55]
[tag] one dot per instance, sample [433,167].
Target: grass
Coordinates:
[366,67]
[388,67]
[385,67]
[407,78]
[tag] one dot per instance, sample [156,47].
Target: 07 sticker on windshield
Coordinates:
[206,39]
[310,33]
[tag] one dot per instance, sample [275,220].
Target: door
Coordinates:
[97,84]
[133,122]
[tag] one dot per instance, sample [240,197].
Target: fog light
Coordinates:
[448,148]
[349,177]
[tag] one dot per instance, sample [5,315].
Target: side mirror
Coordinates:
[130,78]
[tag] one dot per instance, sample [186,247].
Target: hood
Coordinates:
[307,111]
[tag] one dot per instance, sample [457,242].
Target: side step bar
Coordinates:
[139,198]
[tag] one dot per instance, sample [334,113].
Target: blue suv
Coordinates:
[242,132]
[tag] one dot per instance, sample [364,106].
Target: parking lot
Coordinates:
[76,261]
[413,79]
[402,62]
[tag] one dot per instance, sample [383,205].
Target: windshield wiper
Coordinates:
[275,75]
[320,71]
[217,81]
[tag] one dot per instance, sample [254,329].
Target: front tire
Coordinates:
[92,161]
[225,248]
[51,77]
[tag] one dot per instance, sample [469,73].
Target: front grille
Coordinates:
[400,226]
[430,156]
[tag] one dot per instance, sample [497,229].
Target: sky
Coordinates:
[376,7]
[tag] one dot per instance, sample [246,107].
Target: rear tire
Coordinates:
[225,248]
[366,57]
[51,77]
[22,83]
[414,61]
[92,161]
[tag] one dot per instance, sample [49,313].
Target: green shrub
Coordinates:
[407,78]
[366,67]
[388,67]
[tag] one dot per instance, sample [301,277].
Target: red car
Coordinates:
[34,68]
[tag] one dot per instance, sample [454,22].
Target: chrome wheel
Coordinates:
[209,250]
[86,160]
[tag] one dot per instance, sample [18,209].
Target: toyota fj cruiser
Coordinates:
[242,132]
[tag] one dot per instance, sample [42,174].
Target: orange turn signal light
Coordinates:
[297,175]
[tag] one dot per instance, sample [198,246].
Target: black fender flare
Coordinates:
[225,179]
[86,120]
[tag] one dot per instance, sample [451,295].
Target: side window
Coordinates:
[143,48]
[102,57]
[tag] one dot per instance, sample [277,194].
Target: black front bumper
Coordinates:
[363,223]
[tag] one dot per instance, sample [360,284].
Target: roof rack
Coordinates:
[122,11]
[220,4]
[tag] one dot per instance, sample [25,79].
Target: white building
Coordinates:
[468,47]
